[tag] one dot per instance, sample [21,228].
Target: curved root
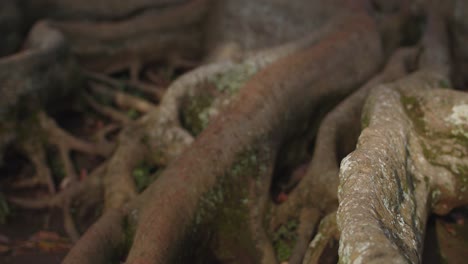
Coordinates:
[336,136]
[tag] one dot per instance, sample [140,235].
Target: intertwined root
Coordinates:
[47,134]
[399,180]
[158,136]
[395,178]
[219,150]
[336,137]
[236,174]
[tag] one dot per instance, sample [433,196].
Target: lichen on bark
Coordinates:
[407,164]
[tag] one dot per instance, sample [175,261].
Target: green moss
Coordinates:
[284,239]
[120,253]
[57,168]
[144,175]
[158,156]
[133,114]
[429,154]
[462,173]
[235,78]
[229,186]
[129,233]
[459,135]
[444,84]
[246,164]
[435,195]
[365,119]
[195,113]
[224,210]
[443,259]
[413,109]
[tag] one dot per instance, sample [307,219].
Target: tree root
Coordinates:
[91,10]
[230,133]
[106,111]
[394,178]
[406,205]
[37,76]
[149,36]
[162,131]
[151,90]
[35,151]
[336,136]
[326,233]
[174,223]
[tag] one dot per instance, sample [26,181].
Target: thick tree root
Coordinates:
[188,190]
[110,46]
[391,202]
[91,10]
[219,151]
[336,136]
[209,89]
[395,178]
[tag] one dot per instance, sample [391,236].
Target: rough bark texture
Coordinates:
[247,143]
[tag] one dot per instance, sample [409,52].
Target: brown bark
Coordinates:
[270,80]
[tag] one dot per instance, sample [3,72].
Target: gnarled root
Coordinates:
[315,194]
[327,234]
[395,178]
[192,183]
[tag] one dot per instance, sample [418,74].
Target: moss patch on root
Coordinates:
[143,175]
[223,211]
[121,251]
[413,108]
[284,240]
[195,113]
[232,80]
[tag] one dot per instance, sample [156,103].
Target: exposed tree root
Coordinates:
[222,139]
[124,100]
[155,91]
[35,151]
[185,216]
[88,9]
[402,223]
[336,136]
[106,111]
[327,232]
[400,177]
[210,88]
[37,76]
[150,36]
